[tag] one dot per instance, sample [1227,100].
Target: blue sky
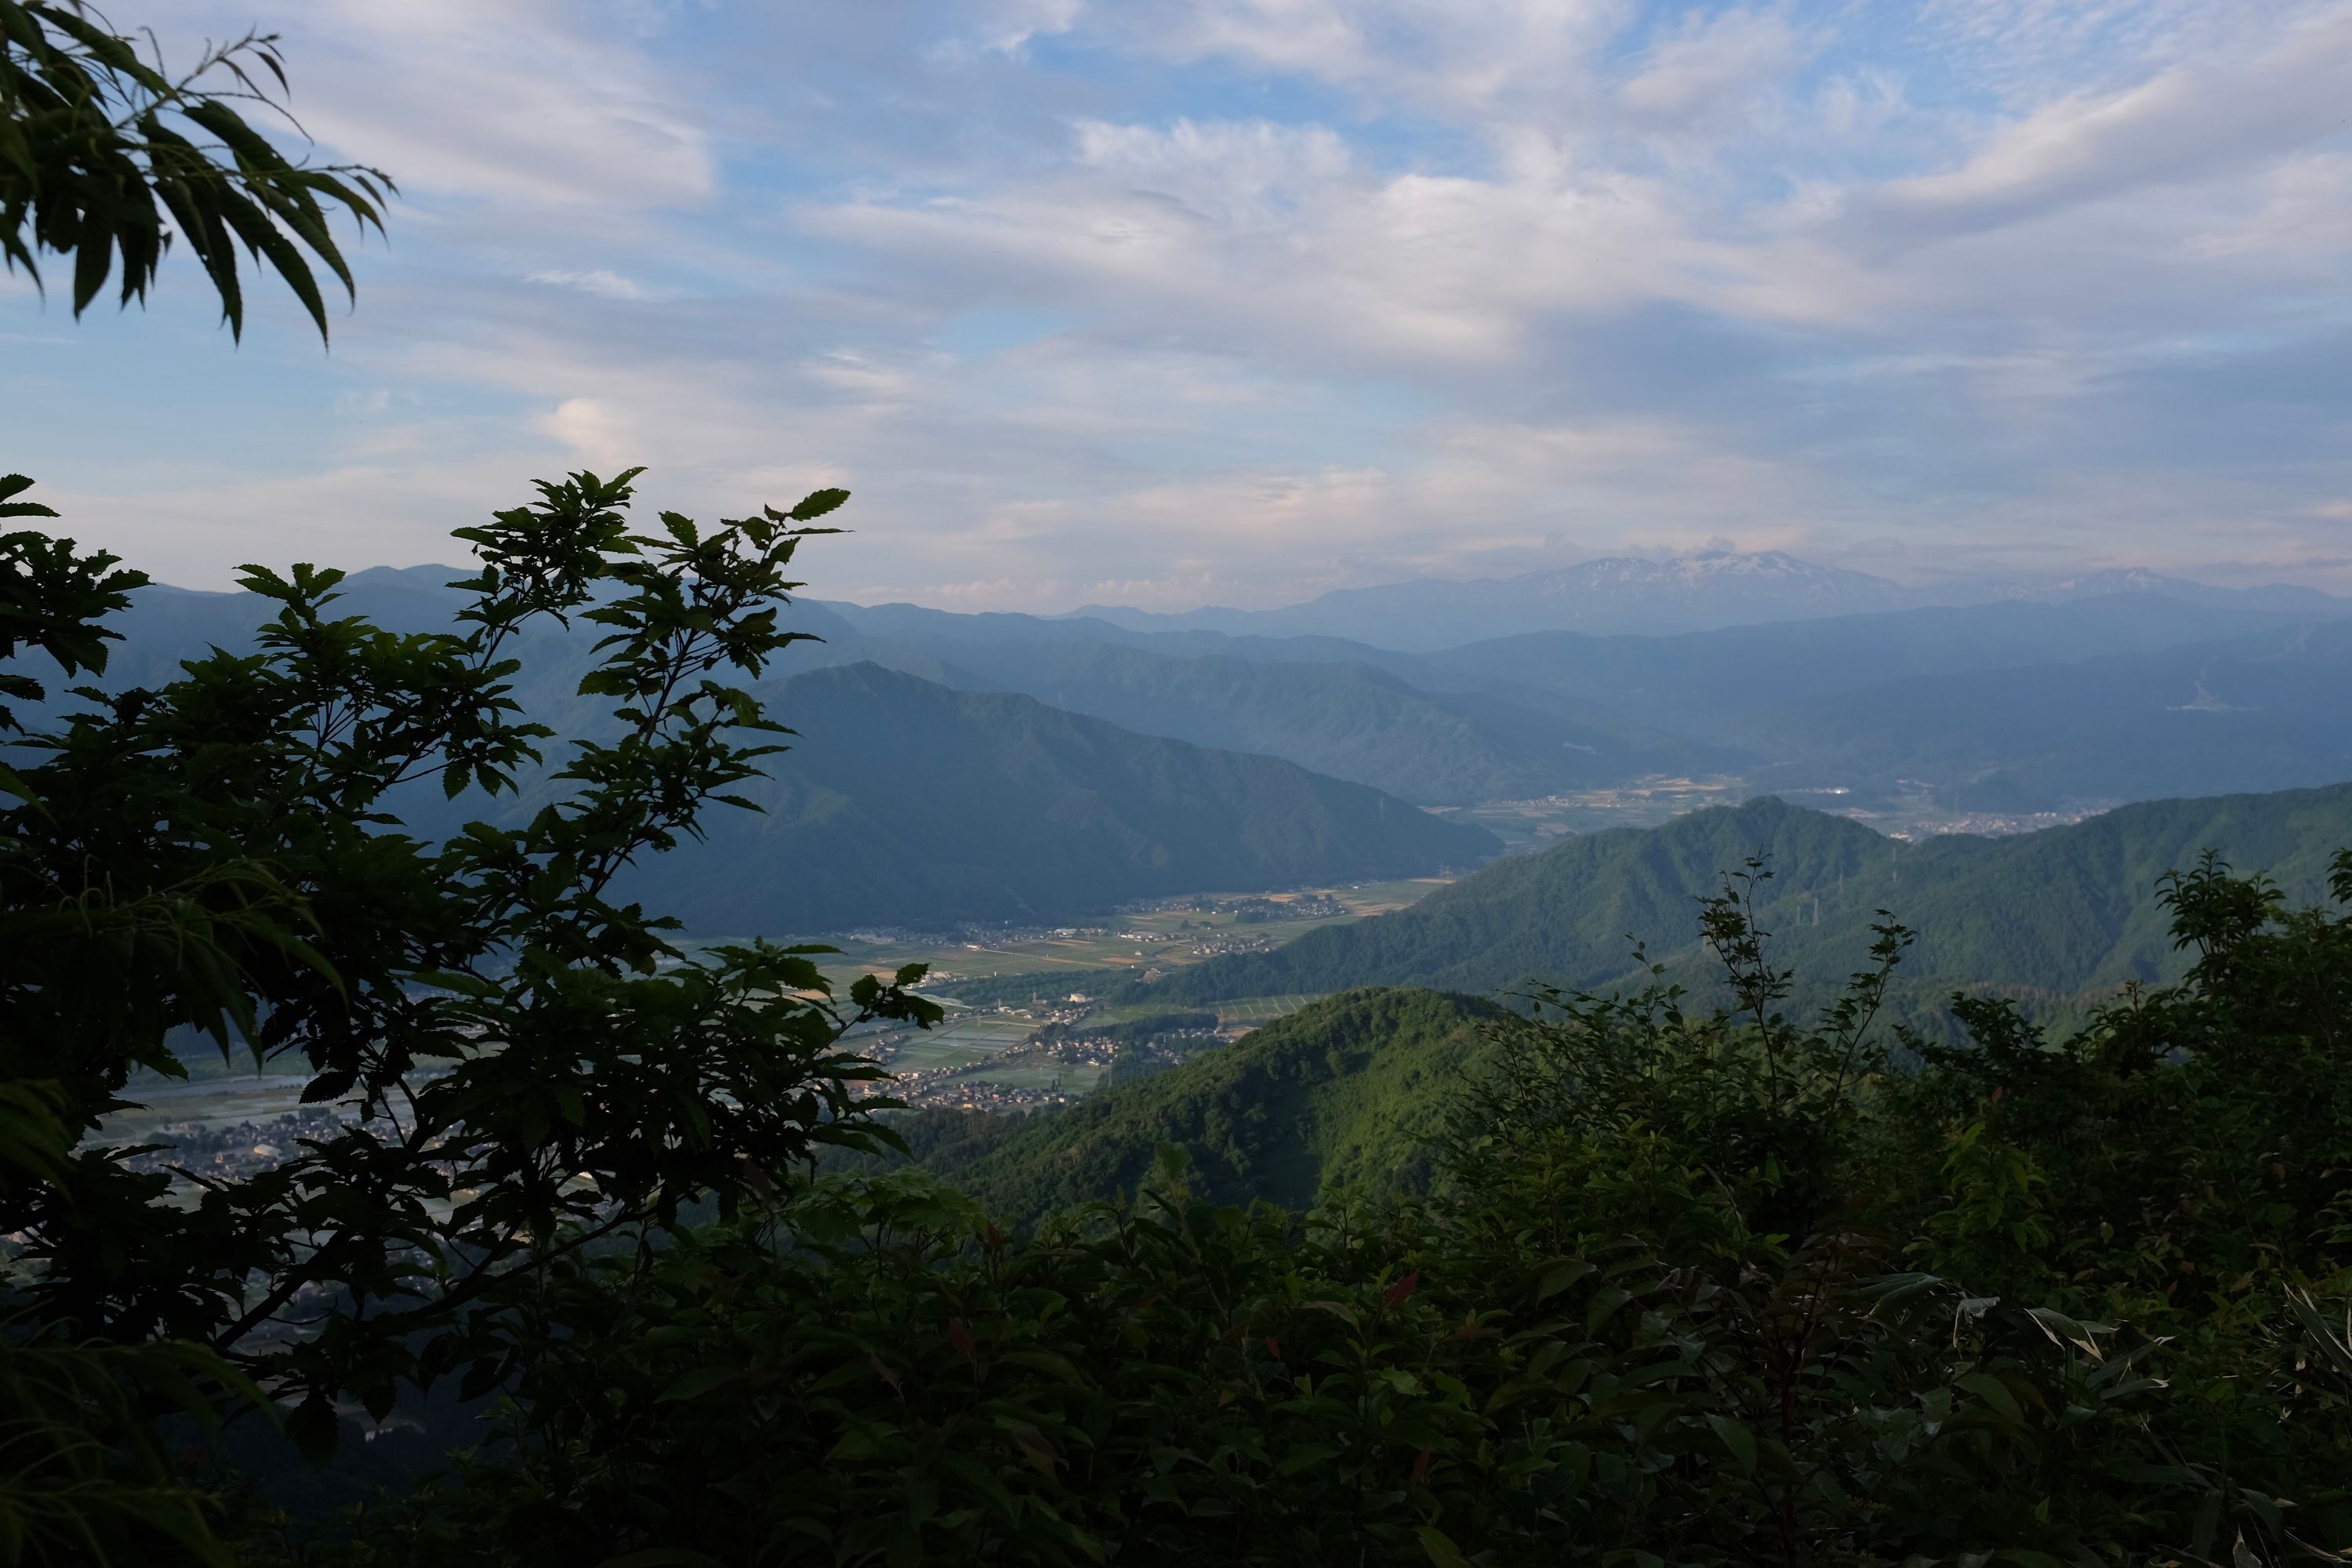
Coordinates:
[1174,301]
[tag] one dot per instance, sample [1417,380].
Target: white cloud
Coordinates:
[493,99]
[1369,285]
[2192,122]
[595,431]
[2303,209]
[1017,22]
[1715,69]
[1453,54]
[596,281]
[1245,172]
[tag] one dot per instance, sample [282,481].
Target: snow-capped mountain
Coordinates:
[2281,597]
[1711,576]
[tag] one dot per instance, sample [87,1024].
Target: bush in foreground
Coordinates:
[1691,1288]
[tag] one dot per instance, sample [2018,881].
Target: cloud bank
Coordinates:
[1181,301]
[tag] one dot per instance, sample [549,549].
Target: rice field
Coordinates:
[1086,961]
[1250,1012]
[959,1041]
[1076,1078]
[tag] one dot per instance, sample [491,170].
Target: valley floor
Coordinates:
[999,985]
[1002,986]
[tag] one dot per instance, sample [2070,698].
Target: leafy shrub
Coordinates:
[1691,1288]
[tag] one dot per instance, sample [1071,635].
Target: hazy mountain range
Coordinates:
[956,767]
[2015,704]
[903,800]
[1637,593]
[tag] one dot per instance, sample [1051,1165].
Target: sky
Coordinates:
[1166,302]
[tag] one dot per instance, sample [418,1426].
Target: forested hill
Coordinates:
[1339,1093]
[902,802]
[2048,914]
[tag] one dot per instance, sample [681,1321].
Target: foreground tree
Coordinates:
[530,1067]
[106,154]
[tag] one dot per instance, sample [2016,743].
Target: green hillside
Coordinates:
[902,802]
[2047,914]
[1320,1098]
[1565,914]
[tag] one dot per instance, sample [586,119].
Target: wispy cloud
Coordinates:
[596,281]
[1180,299]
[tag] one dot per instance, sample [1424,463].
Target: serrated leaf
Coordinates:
[817,504]
[328,1086]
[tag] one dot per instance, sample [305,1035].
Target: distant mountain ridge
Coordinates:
[1615,594]
[2020,704]
[2259,711]
[1352,719]
[1699,591]
[2284,598]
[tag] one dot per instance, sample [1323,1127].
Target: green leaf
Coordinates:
[313,1428]
[1560,1276]
[1993,1392]
[1306,1456]
[1440,1548]
[1738,1438]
